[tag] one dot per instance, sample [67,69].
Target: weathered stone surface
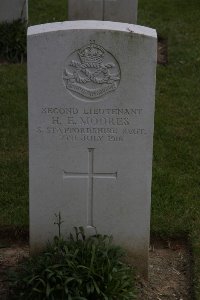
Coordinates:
[110,10]
[11,10]
[121,10]
[85,10]
[91,118]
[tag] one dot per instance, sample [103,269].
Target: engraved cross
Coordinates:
[90,175]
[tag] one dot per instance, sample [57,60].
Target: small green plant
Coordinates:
[13,41]
[77,268]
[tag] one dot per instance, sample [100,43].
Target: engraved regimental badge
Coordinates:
[91,72]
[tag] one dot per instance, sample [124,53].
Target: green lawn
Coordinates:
[13,145]
[176,166]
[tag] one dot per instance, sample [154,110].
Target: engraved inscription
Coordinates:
[90,175]
[91,72]
[86,124]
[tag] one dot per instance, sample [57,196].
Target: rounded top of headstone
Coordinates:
[92,25]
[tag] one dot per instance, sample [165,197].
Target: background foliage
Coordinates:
[13,42]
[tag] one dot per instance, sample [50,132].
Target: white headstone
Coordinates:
[11,10]
[110,10]
[91,118]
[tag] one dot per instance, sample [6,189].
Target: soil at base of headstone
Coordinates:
[169,270]
[162,53]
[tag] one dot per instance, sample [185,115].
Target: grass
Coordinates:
[47,11]
[13,145]
[176,188]
[176,165]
